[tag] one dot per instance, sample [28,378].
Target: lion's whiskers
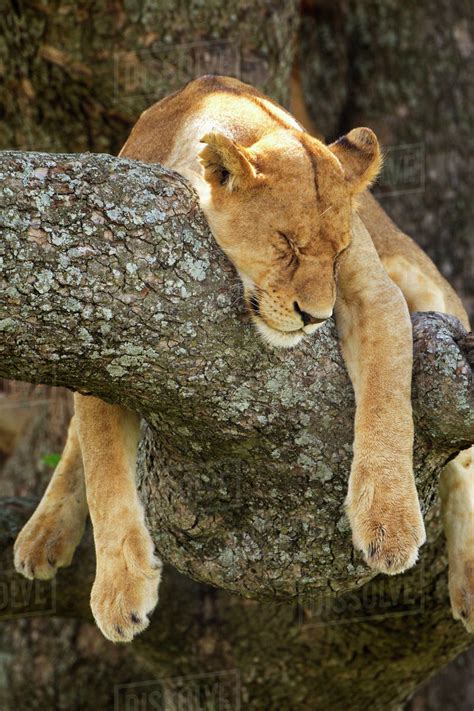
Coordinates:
[326,210]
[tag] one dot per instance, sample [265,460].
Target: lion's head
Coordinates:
[281,210]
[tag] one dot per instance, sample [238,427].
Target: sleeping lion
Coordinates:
[308,241]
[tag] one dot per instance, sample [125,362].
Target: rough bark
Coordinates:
[115,287]
[76,76]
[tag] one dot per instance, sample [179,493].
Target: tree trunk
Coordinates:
[78,75]
[245,459]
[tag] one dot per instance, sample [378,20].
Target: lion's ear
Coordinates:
[360,156]
[226,163]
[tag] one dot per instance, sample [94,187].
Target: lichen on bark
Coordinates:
[116,287]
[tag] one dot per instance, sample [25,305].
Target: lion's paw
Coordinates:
[388,532]
[125,591]
[461,591]
[47,542]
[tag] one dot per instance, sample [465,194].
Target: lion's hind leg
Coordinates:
[420,291]
[48,541]
[457,497]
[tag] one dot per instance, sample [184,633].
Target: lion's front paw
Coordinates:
[125,591]
[461,591]
[387,526]
[47,542]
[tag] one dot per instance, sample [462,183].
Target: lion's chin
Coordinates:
[279,339]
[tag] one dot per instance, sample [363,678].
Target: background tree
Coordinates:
[90,73]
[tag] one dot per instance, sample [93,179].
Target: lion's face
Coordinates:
[281,210]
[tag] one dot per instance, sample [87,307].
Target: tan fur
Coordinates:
[125,589]
[375,333]
[282,205]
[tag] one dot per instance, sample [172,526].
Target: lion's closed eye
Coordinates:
[285,239]
[286,248]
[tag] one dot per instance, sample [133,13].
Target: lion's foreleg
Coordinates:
[125,589]
[376,339]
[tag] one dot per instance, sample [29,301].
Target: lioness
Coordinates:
[283,207]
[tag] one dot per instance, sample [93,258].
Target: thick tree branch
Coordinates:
[115,287]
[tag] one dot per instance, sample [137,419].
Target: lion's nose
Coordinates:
[308,319]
